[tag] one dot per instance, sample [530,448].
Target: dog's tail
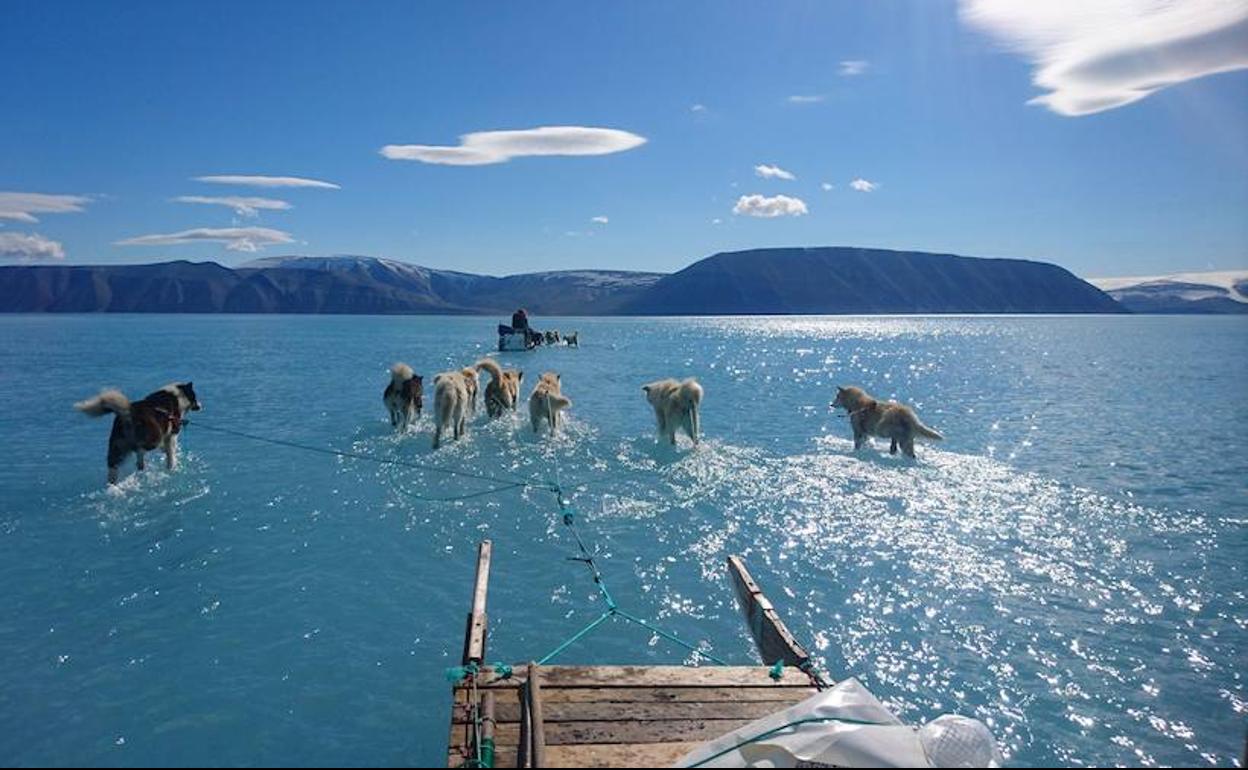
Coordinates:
[108,401]
[401,373]
[491,366]
[926,432]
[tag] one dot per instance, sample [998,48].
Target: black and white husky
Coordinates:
[404,396]
[142,426]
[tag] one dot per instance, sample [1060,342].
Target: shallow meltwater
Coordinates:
[1066,566]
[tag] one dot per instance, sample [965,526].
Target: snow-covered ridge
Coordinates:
[590,278]
[1227,284]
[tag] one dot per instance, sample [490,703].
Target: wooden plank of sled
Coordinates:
[624,695]
[660,731]
[772,637]
[474,635]
[667,677]
[632,712]
[537,726]
[618,754]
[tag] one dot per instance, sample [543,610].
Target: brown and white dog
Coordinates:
[887,419]
[142,426]
[454,395]
[502,392]
[404,396]
[547,401]
[676,404]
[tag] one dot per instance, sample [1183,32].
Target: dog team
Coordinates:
[155,421]
[454,399]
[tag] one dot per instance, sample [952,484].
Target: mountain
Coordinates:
[771,281]
[867,281]
[1214,292]
[343,284]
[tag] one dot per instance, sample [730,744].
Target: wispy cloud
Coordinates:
[777,206]
[234,238]
[853,67]
[862,185]
[807,98]
[29,247]
[698,108]
[773,172]
[266,181]
[717,221]
[243,206]
[486,147]
[600,219]
[1095,56]
[22,206]
[827,186]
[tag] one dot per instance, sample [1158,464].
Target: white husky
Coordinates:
[453,396]
[547,401]
[676,405]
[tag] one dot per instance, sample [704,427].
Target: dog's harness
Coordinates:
[173,418]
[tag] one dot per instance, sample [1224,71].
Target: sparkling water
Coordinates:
[1068,565]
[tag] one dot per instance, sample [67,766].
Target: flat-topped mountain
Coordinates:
[868,281]
[761,281]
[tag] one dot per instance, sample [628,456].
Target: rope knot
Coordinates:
[777,671]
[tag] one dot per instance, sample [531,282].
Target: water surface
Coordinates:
[1067,566]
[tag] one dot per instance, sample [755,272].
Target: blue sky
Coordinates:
[117,108]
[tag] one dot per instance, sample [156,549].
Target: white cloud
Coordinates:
[22,207]
[29,247]
[778,206]
[485,147]
[717,221]
[773,172]
[243,206]
[267,181]
[600,219]
[698,108]
[234,238]
[1095,56]
[852,67]
[862,185]
[827,186]
[806,98]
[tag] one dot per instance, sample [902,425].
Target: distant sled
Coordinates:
[510,339]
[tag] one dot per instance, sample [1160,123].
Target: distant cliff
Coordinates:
[763,281]
[867,281]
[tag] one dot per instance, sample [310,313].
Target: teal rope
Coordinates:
[576,637]
[670,637]
[502,484]
[613,610]
[769,733]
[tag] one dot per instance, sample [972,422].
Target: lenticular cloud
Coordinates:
[486,147]
[1095,56]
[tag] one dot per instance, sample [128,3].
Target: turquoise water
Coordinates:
[1068,565]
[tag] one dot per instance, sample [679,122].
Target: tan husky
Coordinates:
[676,405]
[547,401]
[453,396]
[503,390]
[886,419]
